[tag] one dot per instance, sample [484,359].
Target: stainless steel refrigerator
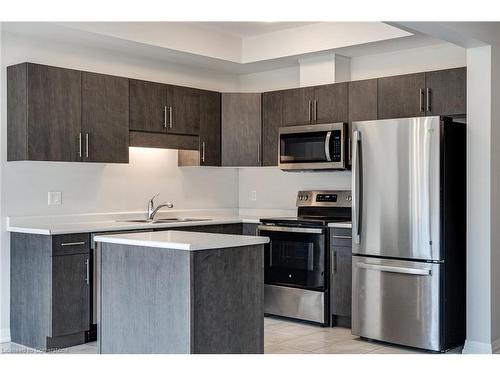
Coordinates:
[409,220]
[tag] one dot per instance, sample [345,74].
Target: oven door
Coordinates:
[294,257]
[312,147]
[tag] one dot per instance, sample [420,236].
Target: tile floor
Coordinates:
[281,337]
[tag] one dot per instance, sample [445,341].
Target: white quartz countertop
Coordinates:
[179,240]
[117,225]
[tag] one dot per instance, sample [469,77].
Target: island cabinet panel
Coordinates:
[50,290]
[272,120]
[183,106]
[446,92]
[148,106]
[145,301]
[401,96]
[105,118]
[228,295]
[241,129]
[44,113]
[200,302]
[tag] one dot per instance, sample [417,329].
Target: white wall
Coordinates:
[440,56]
[479,200]
[103,187]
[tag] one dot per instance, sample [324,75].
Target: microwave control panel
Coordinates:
[336,146]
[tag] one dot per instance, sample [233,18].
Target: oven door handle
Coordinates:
[273,228]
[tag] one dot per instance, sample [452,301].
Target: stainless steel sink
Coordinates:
[164,220]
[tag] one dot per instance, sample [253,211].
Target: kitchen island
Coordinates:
[181,292]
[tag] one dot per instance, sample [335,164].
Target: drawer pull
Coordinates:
[345,237]
[73,243]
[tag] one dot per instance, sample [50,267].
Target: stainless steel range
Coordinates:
[297,257]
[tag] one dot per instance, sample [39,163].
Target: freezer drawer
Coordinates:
[396,301]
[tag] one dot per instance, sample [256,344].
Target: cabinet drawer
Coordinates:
[341,232]
[68,244]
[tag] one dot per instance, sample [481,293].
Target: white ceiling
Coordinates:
[249,29]
[214,46]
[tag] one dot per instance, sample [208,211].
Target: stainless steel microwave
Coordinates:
[313,147]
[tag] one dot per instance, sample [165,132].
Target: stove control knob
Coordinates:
[300,197]
[348,198]
[306,197]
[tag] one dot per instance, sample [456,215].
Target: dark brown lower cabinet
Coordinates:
[70,294]
[50,290]
[341,276]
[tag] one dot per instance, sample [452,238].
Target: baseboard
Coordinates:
[4,335]
[477,347]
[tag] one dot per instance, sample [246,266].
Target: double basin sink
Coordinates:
[165,220]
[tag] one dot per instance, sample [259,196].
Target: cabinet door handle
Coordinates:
[334,262]
[171,117]
[422,108]
[258,153]
[428,99]
[80,144]
[203,151]
[87,145]
[310,109]
[73,243]
[315,111]
[87,274]
[165,117]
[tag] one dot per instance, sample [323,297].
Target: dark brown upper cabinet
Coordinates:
[363,100]
[210,128]
[241,129]
[209,150]
[330,103]
[401,96]
[105,118]
[297,106]
[57,114]
[446,92]
[157,107]
[315,105]
[43,113]
[183,110]
[272,120]
[148,106]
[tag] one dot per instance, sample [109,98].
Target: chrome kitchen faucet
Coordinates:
[152,210]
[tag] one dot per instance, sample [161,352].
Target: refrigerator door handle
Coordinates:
[429,183]
[393,269]
[356,186]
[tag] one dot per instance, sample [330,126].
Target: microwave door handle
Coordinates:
[356,186]
[327,146]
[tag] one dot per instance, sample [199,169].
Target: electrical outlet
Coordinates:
[54,198]
[254,195]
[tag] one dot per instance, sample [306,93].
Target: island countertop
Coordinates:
[180,240]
